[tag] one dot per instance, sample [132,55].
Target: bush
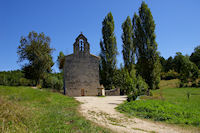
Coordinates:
[17,78]
[26,82]
[14,78]
[171,74]
[53,82]
[141,86]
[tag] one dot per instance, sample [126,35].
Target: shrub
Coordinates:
[53,82]
[14,78]
[141,86]
[171,74]
[25,82]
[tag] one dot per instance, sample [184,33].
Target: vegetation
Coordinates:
[108,53]
[148,65]
[195,56]
[24,109]
[61,60]
[17,78]
[171,74]
[35,48]
[182,68]
[128,45]
[53,81]
[174,83]
[172,105]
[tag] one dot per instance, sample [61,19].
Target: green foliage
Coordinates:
[188,70]
[108,53]
[174,107]
[24,109]
[169,64]
[35,48]
[171,74]
[17,78]
[61,60]
[53,81]
[148,64]
[195,56]
[141,86]
[131,84]
[178,61]
[163,63]
[14,78]
[128,45]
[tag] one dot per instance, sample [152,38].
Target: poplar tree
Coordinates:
[108,53]
[128,45]
[148,64]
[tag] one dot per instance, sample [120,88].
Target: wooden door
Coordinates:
[82,92]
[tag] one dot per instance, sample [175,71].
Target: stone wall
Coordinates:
[81,75]
[113,92]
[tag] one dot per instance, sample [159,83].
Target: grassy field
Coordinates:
[23,109]
[172,105]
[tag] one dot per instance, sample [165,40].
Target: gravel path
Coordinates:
[101,110]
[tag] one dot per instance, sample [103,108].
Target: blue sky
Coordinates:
[177,24]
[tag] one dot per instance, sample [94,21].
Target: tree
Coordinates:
[108,53]
[131,84]
[187,69]
[169,64]
[163,63]
[35,48]
[61,60]
[128,45]
[178,62]
[195,56]
[148,64]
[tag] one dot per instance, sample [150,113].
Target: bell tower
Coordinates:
[81,46]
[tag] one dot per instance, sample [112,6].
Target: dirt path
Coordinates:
[101,110]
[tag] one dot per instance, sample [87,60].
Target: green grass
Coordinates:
[23,109]
[170,105]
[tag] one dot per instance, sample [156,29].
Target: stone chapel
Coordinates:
[81,70]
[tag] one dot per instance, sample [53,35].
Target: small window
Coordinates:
[81,45]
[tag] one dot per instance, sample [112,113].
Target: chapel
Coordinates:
[81,70]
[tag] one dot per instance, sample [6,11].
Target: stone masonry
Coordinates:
[81,70]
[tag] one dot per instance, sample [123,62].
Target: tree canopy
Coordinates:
[128,45]
[61,60]
[35,49]
[195,56]
[148,64]
[108,52]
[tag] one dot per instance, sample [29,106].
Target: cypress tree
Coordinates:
[128,45]
[148,64]
[108,53]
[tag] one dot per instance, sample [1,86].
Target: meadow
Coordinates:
[172,105]
[24,109]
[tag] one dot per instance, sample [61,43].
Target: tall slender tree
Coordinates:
[108,53]
[148,64]
[128,44]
